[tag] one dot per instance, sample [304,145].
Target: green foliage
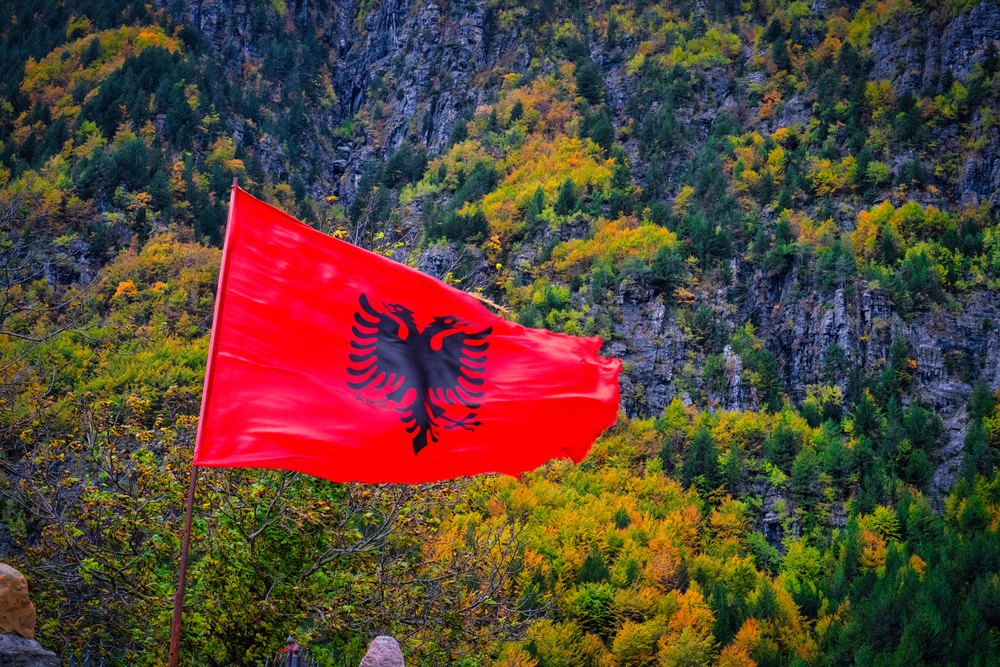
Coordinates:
[405,166]
[516,111]
[823,403]
[481,180]
[701,467]
[592,606]
[103,149]
[459,132]
[566,201]
[778,258]
[784,443]
[532,216]
[762,366]
[154,72]
[597,126]
[454,226]
[666,271]
[594,569]
[589,82]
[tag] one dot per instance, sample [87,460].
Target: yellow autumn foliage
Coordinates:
[612,242]
[49,81]
[542,163]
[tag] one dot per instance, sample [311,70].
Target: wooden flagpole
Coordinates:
[176,622]
[175,625]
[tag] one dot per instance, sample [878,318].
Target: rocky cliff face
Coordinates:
[423,57]
[423,66]
[913,53]
[910,51]
[952,349]
[435,61]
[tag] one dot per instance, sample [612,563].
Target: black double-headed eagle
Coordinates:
[421,371]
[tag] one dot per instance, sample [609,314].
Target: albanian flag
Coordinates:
[333,361]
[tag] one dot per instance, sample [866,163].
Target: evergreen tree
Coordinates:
[603,132]
[459,132]
[779,51]
[701,467]
[516,111]
[477,229]
[867,417]
[947,80]
[666,271]
[590,83]
[991,60]
[566,201]
[594,569]
[774,30]
[92,52]
[783,445]
[535,208]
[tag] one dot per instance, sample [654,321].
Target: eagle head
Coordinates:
[398,310]
[446,323]
[403,315]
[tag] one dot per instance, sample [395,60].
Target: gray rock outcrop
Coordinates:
[383,652]
[908,51]
[426,52]
[18,651]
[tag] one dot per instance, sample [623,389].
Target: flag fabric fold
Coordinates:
[336,362]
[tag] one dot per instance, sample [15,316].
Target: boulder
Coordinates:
[17,613]
[18,651]
[383,652]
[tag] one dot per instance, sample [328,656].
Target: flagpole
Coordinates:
[176,622]
[175,625]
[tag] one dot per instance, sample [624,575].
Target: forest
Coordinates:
[781,215]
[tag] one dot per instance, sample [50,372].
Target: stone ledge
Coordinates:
[18,651]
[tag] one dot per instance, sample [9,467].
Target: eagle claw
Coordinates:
[378,404]
[462,423]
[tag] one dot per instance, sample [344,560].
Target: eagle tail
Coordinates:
[421,421]
[420,439]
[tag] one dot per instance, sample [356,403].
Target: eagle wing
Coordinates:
[382,360]
[456,370]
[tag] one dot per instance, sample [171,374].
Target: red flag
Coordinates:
[333,361]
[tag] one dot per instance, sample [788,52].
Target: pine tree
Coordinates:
[783,446]
[589,83]
[603,132]
[459,132]
[535,208]
[779,51]
[594,569]
[567,198]
[774,30]
[516,111]
[701,467]
[991,61]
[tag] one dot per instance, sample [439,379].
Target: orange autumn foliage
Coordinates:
[751,639]
[732,656]
[663,570]
[693,612]
[874,552]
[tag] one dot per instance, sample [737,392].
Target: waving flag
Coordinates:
[333,361]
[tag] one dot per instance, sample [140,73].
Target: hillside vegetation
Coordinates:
[780,215]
